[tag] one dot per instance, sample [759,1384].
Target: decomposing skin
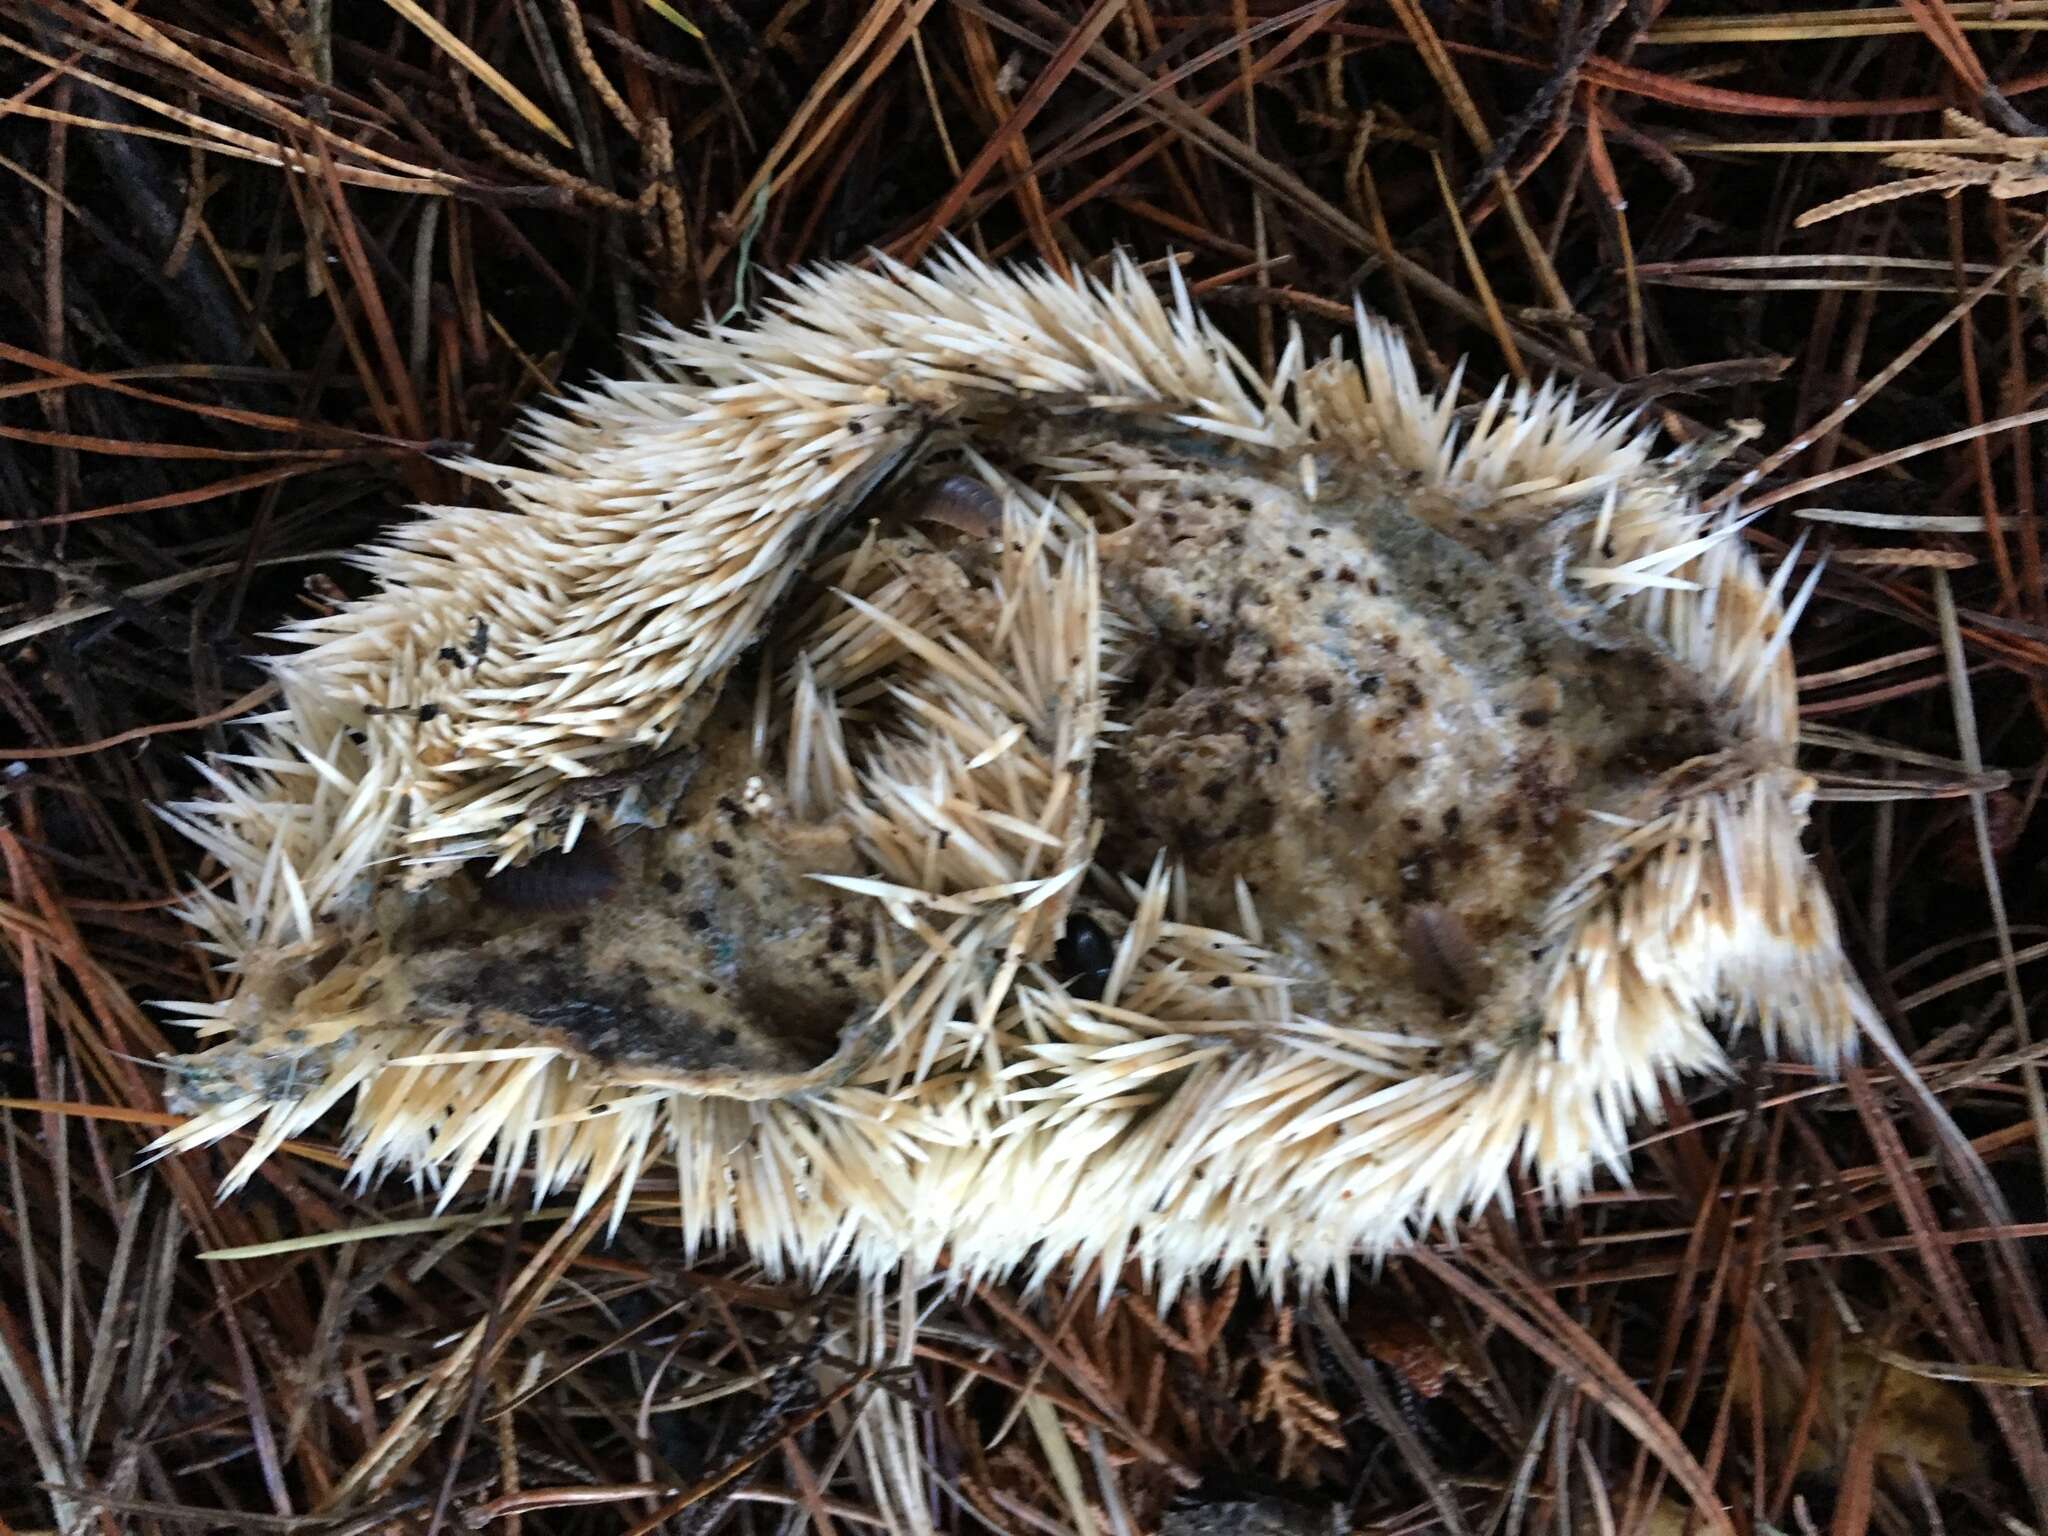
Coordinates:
[1395,742]
[960,770]
[704,958]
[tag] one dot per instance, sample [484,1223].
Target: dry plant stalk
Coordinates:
[1313,807]
[2004,166]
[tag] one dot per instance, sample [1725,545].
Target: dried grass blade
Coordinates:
[240,92]
[1972,748]
[1949,1370]
[410,1226]
[674,17]
[1059,1456]
[107,1342]
[477,65]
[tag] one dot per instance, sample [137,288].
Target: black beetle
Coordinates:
[1083,957]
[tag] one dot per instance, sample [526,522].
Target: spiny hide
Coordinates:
[1033,787]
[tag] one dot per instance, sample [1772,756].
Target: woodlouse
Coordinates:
[1442,956]
[962,502]
[561,880]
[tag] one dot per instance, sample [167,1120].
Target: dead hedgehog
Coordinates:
[965,769]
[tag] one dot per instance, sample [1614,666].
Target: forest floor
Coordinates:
[271,259]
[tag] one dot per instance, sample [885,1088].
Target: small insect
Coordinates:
[561,880]
[323,594]
[601,786]
[1443,957]
[962,502]
[1083,958]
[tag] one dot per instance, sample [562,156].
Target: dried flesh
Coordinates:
[1402,746]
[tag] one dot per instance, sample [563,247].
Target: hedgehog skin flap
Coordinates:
[961,770]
